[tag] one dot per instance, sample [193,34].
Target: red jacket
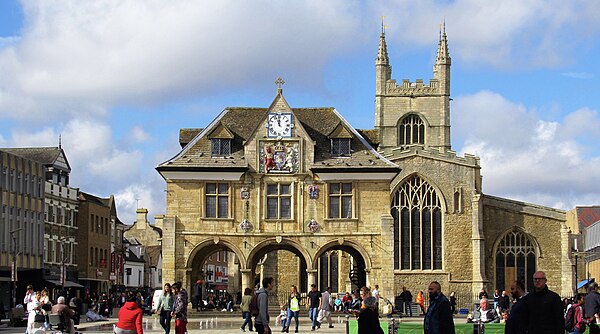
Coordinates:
[130,317]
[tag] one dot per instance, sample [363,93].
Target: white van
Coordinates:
[155,298]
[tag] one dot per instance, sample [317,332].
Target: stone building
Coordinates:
[392,206]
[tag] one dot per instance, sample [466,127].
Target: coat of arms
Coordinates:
[278,157]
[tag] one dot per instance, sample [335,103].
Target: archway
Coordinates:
[343,267]
[515,258]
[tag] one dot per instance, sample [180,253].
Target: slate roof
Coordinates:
[93,199]
[243,122]
[43,155]
[186,135]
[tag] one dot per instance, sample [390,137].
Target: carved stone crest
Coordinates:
[278,239]
[246,225]
[313,191]
[313,226]
[245,193]
[278,157]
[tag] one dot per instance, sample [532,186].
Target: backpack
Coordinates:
[570,318]
[254,305]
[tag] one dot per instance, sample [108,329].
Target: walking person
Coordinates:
[165,307]
[368,320]
[313,303]
[421,301]
[592,307]
[261,323]
[325,308]
[517,318]
[130,317]
[245,307]
[293,309]
[544,308]
[438,319]
[179,308]
[407,301]
[579,322]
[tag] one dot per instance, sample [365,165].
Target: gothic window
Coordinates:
[220,147]
[329,271]
[411,130]
[417,226]
[340,200]
[279,201]
[216,200]
[340,147]
[515,260]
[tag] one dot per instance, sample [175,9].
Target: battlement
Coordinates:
[415,88]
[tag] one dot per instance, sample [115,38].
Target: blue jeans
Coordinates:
[247,320]
[408,308]
[291,314]
[165,321]
[313,312]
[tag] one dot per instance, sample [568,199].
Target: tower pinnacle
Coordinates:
[443,56]
[382,55]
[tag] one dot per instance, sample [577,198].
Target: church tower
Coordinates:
[413,113]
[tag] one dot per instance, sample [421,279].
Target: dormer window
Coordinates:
[221,147]
[340,147]
[411,131]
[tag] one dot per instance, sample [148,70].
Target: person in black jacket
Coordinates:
[517,318]
[544,308]
[592,307]
[368,320]
[438,319]
[406,300]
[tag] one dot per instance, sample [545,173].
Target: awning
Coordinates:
[68,284]
[584,283]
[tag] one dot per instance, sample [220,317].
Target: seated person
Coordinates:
[337,305]
[483,314]
[504,317]
[346,301]
[67,313]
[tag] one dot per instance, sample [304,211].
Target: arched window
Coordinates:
[411,130]
[328,271]
[417,226]
[515,260]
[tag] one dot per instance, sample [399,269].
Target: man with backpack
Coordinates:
[574,320]
[592,307]
[261,322]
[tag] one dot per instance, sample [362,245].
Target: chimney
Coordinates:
[141,218]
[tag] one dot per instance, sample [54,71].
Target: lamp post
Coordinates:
[63,273]
[13,267]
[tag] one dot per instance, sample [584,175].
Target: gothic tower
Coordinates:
[413,113]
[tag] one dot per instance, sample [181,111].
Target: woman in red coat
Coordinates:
[130,317]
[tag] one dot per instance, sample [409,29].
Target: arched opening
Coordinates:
[411,131]
[515,259]
[341,267]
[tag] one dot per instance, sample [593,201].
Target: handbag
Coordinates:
[40,318]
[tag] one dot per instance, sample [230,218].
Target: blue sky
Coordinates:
[119,78]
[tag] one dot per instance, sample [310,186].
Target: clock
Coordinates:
[279,125]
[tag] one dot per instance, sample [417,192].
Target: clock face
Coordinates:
[279,125]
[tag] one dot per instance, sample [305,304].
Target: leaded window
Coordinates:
[515,260]
[220,147]
[417,226]
[279,201]
[217,200]
[340,147]
[411,130]
[340,200]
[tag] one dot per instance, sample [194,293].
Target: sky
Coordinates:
[118,79]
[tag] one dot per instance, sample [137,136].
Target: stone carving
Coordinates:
[313,191]
[278,157]
[245,193]
[313,226]
[246,225]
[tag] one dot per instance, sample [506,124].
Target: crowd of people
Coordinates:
[39,308]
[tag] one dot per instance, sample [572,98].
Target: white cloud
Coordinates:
[138,134]
[526,158]
[578,75]
[148,195]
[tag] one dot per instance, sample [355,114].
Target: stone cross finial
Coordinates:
[279,82]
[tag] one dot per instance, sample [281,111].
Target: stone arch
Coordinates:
[208,246]
[358,253]
[424,123]
[272,244]
[523,244]
[398,182]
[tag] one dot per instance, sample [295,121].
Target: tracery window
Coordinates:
[417,226]
[515,260]
[411,130]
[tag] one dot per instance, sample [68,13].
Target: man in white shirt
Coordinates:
[325,308]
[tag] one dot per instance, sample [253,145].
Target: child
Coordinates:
[282,317]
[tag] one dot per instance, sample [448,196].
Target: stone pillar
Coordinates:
[385,277]
[478,240]
[168,249]
[567,278]
[246,279]
[312,278]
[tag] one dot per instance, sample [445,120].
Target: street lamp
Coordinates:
[13,267]
[63,273]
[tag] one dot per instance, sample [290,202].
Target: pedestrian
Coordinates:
[452,299]
[496,299]
[517,318]
[245,307]
[438,319]
[179,308]
[544,308]
[293,309]
[406,297]
[282,316]
[368,320]
[65,312]
[165,307]
[34,307]
[197,300]
[313,302]
[503,302]
[325,308]
[592,307]
[421,301]
[130,317]
[483,294]
[262,319]
[578,320]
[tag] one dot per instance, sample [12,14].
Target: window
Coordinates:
[220,147]
[515,260]
[340,200]
[328,271]
[279,201]
[217,200]
[340,147]
[417,226]
[411,131]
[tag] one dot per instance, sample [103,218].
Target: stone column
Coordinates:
[385,277]
[567,280]
[478,241]
[312,278]
[246,279]
[168,249]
